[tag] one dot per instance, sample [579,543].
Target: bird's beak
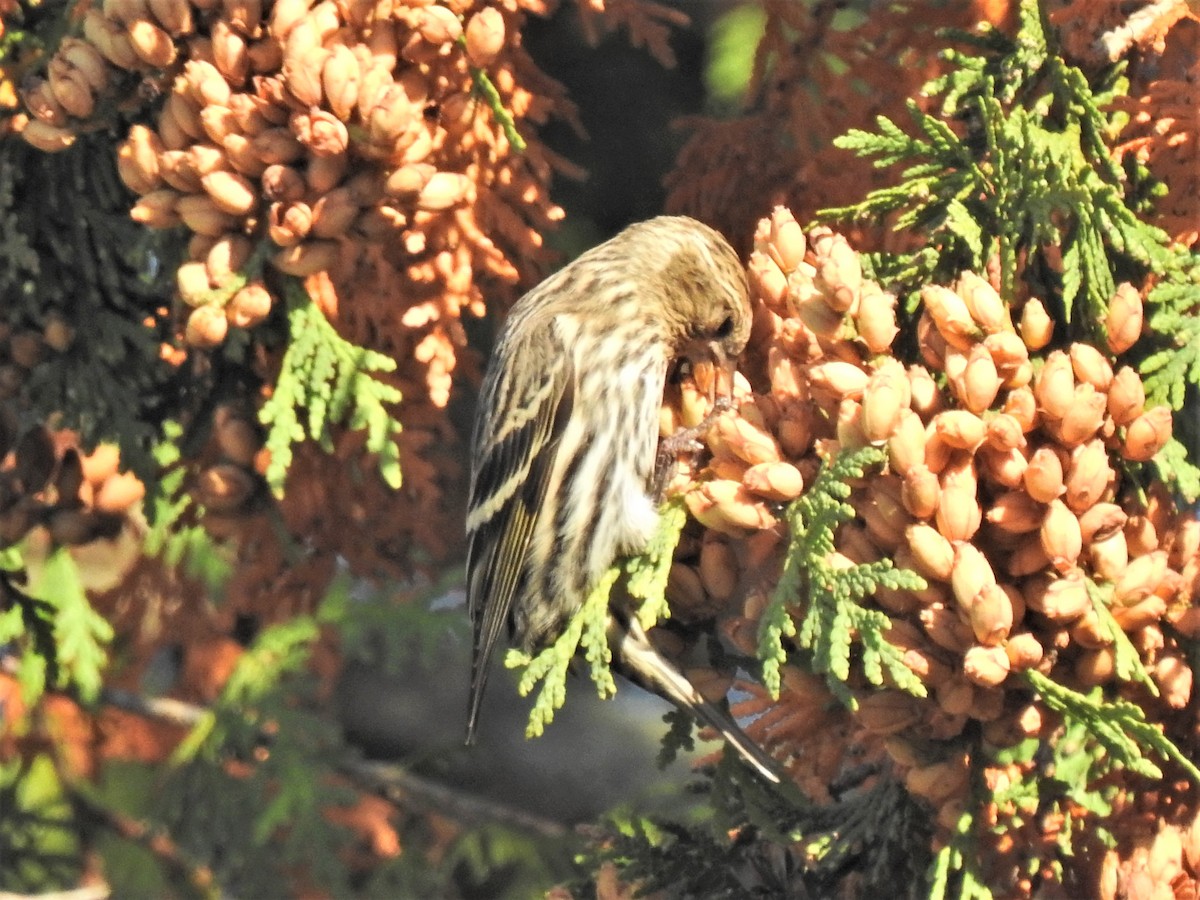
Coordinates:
[721,384]
[712,371]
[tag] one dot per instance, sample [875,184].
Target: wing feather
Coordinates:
[523,412]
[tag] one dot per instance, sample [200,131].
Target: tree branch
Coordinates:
[178,862]
[396,784]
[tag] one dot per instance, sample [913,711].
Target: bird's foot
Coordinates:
[684,441]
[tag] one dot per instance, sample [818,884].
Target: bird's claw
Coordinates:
[684,441]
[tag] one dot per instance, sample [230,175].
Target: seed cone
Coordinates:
[1123,323]
[1005,487]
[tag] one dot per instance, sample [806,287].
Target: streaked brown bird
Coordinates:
[565,442]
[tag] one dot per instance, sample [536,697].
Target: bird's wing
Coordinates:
[523,411]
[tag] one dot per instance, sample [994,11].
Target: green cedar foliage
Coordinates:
[1014,163]
[954,873]
[256,827]
[645,580]
[324,382]
[70,253]
[1172,371]
[834,620]
[781,845]
[58,640]
[1118,726]
[39,841]
[175,535]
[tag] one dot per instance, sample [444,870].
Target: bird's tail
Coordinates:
[638,660]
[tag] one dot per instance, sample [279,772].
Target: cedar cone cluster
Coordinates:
[348,144]
[46,481]
[23,349]
[328,139]
[1007,486]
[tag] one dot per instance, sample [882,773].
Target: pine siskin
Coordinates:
[565,441]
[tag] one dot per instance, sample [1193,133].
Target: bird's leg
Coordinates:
[685,440]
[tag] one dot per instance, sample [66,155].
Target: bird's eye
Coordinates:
[725,329]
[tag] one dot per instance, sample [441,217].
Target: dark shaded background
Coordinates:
[627,103]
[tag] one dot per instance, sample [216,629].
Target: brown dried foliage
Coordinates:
[816,76]
[1158,40]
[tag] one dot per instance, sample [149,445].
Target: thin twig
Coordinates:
[178,862]
[1117,41]
[165,709]
[89,892]
[398,785]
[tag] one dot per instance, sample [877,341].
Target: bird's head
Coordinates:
[707,299]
